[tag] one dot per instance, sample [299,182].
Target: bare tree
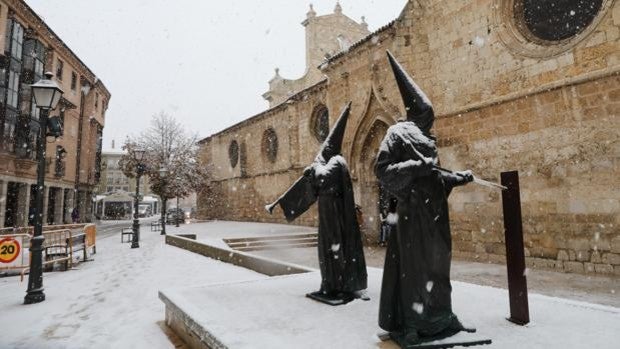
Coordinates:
[168,146]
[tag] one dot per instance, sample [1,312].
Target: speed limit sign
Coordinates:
[9,250]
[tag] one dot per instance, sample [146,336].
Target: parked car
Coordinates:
[144,211]
[173,213]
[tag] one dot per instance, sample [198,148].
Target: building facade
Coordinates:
[113,179]
[30,48]
[116,191]
[516,85]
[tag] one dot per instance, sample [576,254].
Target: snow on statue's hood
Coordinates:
[418,106]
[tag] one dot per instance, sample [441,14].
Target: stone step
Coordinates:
[271,237]
[272,242]
[275,247]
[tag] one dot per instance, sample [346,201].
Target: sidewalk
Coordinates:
[110,302]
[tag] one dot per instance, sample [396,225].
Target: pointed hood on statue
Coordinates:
[332,145]
[418,106]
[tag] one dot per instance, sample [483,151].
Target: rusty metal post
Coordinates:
[515,256]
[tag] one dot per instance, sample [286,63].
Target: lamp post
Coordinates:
[178,179]
[163,173]
[138,156]
[46,96]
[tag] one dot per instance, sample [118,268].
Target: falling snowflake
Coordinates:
[478,41]
[418,307]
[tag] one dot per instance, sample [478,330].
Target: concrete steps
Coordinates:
[273,242]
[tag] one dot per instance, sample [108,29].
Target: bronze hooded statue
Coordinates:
[416,303]
[341,254]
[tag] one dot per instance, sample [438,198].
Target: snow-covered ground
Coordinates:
[274,313]
[213,232]
[110,302]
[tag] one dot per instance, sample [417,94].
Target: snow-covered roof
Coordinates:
[113,152]
[149,198]
[119,196]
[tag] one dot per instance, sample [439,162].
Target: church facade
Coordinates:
[515,85]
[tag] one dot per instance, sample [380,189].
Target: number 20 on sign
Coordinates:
[9,250]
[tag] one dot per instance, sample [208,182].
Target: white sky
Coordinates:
[205,62]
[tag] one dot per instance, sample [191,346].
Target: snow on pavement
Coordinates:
[213,232]
[273,313]
[111,302]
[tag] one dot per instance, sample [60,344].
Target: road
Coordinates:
[109,228]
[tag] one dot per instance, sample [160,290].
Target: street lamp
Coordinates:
[138,155]
[46,96]
[163,173]
[178,179]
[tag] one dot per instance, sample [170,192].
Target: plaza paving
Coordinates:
[598,289]
[112,301]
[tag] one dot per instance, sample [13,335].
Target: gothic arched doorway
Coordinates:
[369,193]
[369,132]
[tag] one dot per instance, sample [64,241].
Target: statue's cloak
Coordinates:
[416,289]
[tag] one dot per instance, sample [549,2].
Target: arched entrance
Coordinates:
[369,132]
[369,189]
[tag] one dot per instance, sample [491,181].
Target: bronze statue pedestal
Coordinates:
[460,339]
[339,299]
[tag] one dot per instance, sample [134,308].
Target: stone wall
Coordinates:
[240,192]
[548,111]
[568,157]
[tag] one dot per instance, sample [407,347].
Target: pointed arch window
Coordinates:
[270,144]
[233,153]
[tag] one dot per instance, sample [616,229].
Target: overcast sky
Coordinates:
[205,62]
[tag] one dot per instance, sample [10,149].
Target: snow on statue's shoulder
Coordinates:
[322,169]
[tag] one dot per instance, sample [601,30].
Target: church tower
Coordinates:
[325,36]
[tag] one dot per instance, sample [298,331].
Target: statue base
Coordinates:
[339,299]
[272,312]
[463,339]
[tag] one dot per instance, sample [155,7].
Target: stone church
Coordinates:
[516,85]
